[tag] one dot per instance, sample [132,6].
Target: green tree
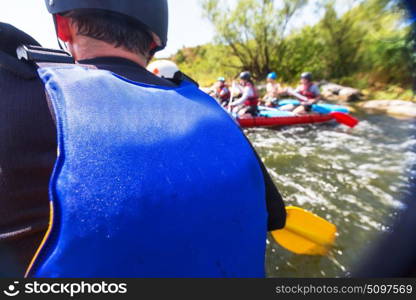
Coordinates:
[341,41]
[205,63]
[369,41]
[385,52]
[254,31]
[368,44]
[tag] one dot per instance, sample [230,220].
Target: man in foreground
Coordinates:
[143,185]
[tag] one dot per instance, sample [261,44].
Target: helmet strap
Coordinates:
[65,48]
[154,46]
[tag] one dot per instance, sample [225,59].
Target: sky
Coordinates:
[187,27]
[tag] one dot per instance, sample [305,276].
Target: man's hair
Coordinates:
[113,28]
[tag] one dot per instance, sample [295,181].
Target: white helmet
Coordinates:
[163,68]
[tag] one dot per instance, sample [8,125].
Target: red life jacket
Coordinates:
[227,93]
[306,91]
[254,100]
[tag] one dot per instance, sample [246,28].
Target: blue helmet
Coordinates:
[272,75]
[222,79]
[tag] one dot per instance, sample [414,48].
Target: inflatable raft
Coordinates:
[273,117]
[284,120]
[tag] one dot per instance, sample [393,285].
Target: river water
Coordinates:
[353,178]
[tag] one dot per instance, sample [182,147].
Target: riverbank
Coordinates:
[392,100]
[394,108]
[392,93]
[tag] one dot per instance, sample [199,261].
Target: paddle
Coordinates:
[232,89]
[268,108]
[305,233]
[297,95]
[344,118]
[230,101]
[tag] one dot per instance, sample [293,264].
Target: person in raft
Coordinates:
[247,103]
[273,90]
[221,91]
[140,164]
[307,93]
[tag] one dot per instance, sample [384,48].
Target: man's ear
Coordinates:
[63,28]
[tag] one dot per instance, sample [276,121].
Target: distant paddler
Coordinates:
[247,103]
[167,69]
[273,90]
[163,68]
[307,92]
[221,91]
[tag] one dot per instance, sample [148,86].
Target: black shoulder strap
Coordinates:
[40,57]
[28,57]
[180,76]
[43,55]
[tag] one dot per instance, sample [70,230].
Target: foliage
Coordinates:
[392,92]
[369,45]
[254,31]
[205,63]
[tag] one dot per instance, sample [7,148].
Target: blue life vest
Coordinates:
[149,182]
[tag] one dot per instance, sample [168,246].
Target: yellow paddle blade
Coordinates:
[305,233]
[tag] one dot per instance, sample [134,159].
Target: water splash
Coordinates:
[354,179]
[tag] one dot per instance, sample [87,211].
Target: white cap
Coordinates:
[163,68]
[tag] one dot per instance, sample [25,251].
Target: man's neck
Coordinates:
[86,48]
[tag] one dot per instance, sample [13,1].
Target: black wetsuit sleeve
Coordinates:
[27,155]
[11,38]
[274,201]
